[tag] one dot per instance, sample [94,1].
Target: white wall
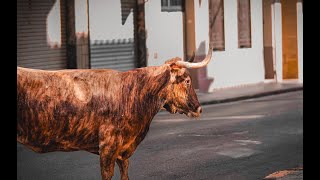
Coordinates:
[201,26]
[300,40]
[236,66]
[231,67]
[277,31]
[105,21]
[81,18]
[54,25]
[164,34]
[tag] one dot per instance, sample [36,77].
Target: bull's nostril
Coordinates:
[199,110]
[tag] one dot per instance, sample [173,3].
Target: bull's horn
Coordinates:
[203,63]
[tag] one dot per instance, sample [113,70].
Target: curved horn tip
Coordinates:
[203,63]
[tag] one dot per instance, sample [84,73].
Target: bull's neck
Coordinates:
[150,83]
[149,106]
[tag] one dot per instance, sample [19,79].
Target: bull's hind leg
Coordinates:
[123,166]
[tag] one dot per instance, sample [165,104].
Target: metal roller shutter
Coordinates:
[118,55]
[33,50]
[113,53]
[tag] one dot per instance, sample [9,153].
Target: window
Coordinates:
[171,5]
[244,24]
[216,24]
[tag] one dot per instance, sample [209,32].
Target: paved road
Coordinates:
[233,141]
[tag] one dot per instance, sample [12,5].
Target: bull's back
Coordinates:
[38,94]
[52,109]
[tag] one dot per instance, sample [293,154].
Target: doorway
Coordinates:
[289,39]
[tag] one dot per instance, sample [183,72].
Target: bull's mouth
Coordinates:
[174,110]
[193,114]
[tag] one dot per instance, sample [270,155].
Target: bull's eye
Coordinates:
[187,81]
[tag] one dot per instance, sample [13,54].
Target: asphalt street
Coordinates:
[241,140]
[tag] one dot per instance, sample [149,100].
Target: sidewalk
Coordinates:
[248,91]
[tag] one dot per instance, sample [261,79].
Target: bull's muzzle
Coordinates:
[195,114]
[199,110]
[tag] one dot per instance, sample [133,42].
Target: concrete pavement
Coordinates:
[254,91]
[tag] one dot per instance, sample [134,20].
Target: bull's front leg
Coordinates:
[107,162]
[123,166]
[108,143]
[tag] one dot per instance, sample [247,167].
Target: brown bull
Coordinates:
[105,112]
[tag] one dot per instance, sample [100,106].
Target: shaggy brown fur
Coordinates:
[105,112]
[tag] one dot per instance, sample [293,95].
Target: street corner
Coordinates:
[288,174]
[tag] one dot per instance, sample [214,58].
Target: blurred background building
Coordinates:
[254,40]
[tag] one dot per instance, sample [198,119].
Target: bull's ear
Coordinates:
[175,67]
[177,70]
[172,63]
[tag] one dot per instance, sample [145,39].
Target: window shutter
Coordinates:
[216,24]
[244,24]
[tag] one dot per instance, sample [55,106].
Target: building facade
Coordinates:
[254,40]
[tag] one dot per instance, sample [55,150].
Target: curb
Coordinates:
[252,96]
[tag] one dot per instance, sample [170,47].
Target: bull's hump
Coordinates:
[82,90]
